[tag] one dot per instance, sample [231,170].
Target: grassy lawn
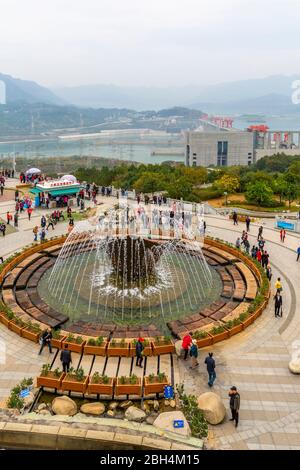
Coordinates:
[238,200]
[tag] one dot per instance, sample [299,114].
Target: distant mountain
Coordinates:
[268,104]
[139,98]
[18,90]
[247,89]
[156,98]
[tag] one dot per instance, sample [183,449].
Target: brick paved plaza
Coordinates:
[255,360]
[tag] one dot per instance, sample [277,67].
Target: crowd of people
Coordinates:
[7,173]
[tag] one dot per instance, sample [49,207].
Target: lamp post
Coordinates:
[225,194]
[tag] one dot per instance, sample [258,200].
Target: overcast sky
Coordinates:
[148,42]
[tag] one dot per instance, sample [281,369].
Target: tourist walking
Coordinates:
[186,343]
[16,220]
[278,304]
[194,354]
[265,259]
[3,229]
[269,272]
[43,221]
[259,256]
[42,235]
[238,243]
[278,285]
[235,218]
[282,235]
[260,232]
[66,358]
[139,347]
[234,403]
[29,212]
[248,220]
[298,253]
[35,233]
[211,366]
[8,218]
[45,340]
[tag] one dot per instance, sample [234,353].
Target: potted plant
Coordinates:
[247,318]
[57,339]
[147,351]
[234,326]
[155,383]
[75,381]
[162,345]
[50,378]
[75,343]
[203,338]
[118,348]
[96,346]
[219,333]
[31,331]
[100,384]
[128,386]
[16,325]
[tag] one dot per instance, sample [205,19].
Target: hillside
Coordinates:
[18,90]
[23,119]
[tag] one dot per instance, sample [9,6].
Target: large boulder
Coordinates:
[64,406]
[135,414]
[294,365]
[212,406]
[165,421]
[97,408]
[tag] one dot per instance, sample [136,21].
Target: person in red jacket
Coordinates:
[186,343]
[258,256]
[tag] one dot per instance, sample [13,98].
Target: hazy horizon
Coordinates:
[148,44]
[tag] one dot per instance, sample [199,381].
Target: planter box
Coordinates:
[4,320]
[57,343]
[95,350]
[236,329]
[50,381]
[258,312]
[248,321]
[118,350]
[154,387]
[16,328]
[160,348]
[220,336]
[203,342]
[128,389]
[74,347]
[31,335]
[70,384]
[147,351]
[101,389]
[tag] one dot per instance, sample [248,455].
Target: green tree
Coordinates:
[180,188]
[291,188]
[228,183]
[260,193]
[149,183]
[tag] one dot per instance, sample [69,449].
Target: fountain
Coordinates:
[113,271]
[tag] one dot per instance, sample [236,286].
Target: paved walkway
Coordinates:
[256,360]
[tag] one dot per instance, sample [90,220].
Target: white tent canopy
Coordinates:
[33,171]
[70,178]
